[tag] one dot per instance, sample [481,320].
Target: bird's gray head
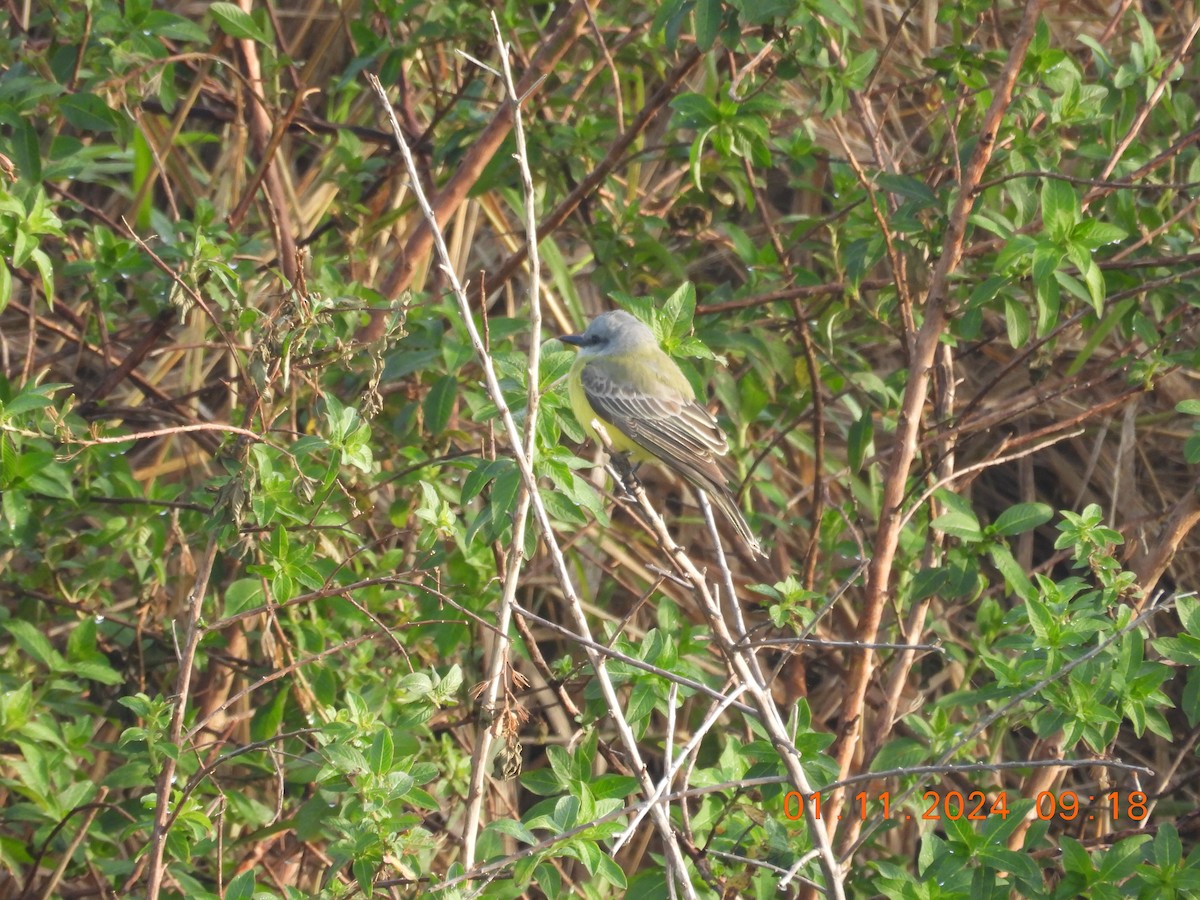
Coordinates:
[612,332]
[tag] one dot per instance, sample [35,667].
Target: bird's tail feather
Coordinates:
[705,473]
[724,501]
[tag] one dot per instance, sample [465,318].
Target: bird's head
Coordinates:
[615,332]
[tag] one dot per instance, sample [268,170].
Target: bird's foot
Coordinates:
[626,475]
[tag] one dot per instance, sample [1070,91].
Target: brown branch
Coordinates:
[799,292]
[166,777]
[158,328]
[1152,560]
[454,191]
[907,429]
[265,144]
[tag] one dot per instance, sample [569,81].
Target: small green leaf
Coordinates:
[1016,322]
[175,28]
[513,829]
[241,887]
[1191,449]
[695,111]
[859,440]
[380,753]
[1122,859]
[1075,858]
[483,473]
[5,287]
[708,23]
[1014,575]
[244,594]
[1060,208]
[504,493]
[1022,517]
[87,112]
[237,23]
[439,404]
[15,707]
[908,187]
[958,524]
[35,644]
[928,582]
[97,670]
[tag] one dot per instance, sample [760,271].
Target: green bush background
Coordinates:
[257,505]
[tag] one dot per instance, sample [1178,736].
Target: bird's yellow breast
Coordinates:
[621,442]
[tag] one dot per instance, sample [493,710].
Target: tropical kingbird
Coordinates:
[624,382]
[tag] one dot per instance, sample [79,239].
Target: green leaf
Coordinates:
[237,23]
[708,23]
[928,582]
[439,404]
[900,753]
[859,440]
[1014,575]
[87,112]
[667,20]
[1081,256]
[504,493]
[959,524]
[1183,649]
[678,310]
[541,782]
[241,887]
[513,829]
[760,12]
[243,594]
[15,708]
[5,287]
[1188,609]
[695,111]
[1016,323]
[1021,518]
[1191,449]
[380,753]
[30,398]
[1121,860]
[97,670]
[1075,857]
[1049,302]
[35,644]
[859,69]
[908,187]
[1042,621]
[563,508]
[1094,234]
[1060,209]
[480,476]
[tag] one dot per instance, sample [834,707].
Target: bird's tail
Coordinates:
[723,500]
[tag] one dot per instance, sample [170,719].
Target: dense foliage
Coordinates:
[280,617]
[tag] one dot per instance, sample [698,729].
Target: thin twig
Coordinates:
[574,605]
[744,667]
[499,647]
[183,683]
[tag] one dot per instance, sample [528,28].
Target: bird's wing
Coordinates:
[669,424]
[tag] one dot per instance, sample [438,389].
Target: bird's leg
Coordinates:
[626,472]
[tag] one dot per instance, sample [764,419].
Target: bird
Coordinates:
[625,383]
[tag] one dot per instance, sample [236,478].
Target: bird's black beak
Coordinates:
[575,340]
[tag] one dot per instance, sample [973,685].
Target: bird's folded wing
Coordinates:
[665,422]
